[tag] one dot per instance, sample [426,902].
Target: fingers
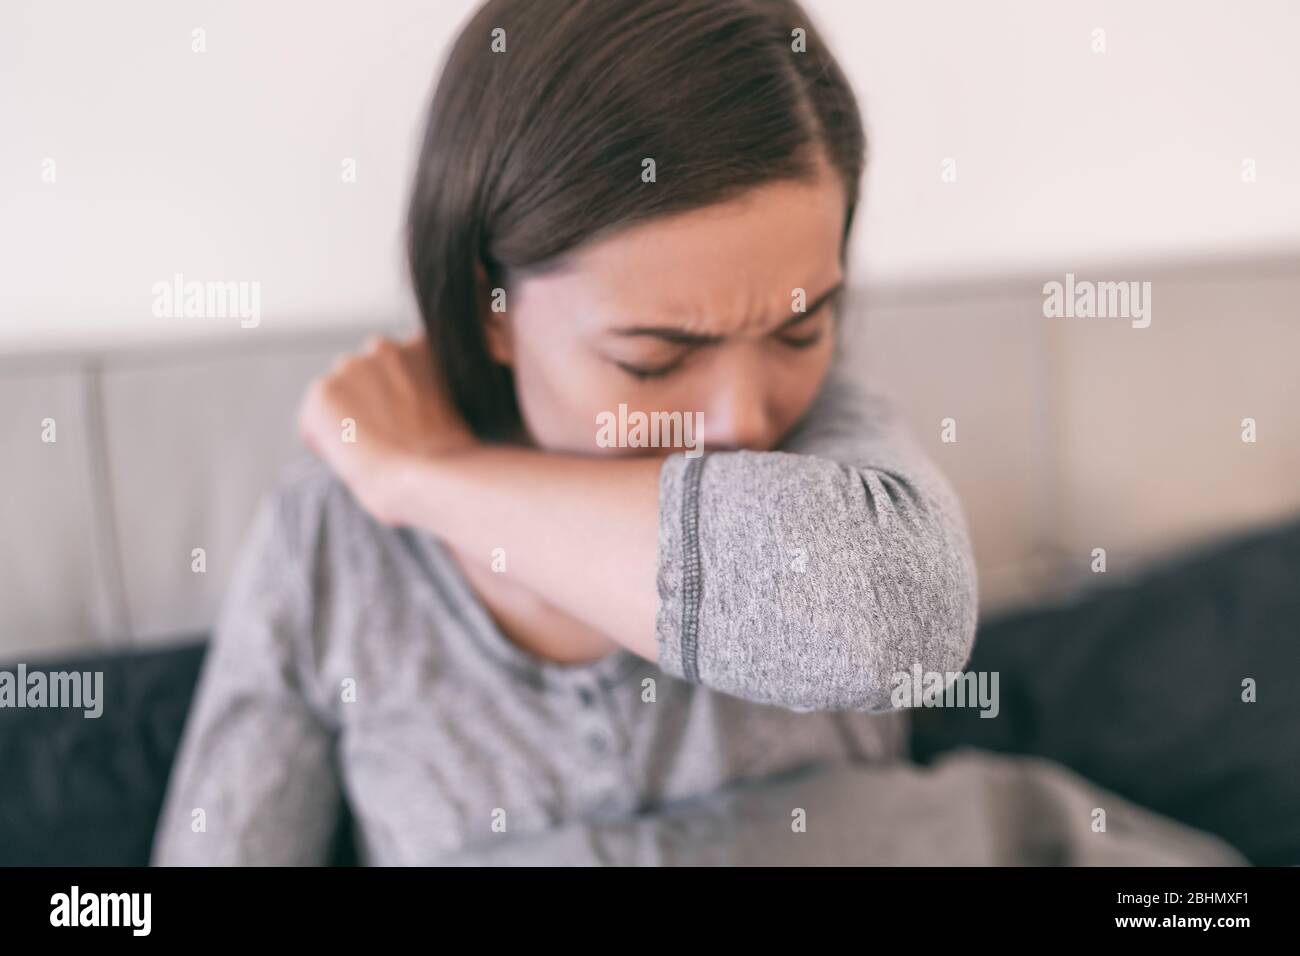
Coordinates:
[305,432]
[377,344]
[417,357]
[415,344]
[374,346]
[385,360]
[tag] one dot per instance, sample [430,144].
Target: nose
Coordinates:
[737,415]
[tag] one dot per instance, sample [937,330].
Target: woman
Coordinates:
[472,619]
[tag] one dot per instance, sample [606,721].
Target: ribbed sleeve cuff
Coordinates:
[677,574]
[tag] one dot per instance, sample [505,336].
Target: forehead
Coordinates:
[721,269]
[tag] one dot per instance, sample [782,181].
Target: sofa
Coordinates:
[1072,435]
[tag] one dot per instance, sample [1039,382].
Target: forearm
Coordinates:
[579,531]
[786,578]
[806,577]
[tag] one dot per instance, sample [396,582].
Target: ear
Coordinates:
[496,325]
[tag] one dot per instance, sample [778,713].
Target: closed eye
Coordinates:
[806,342]
[811,339]
[644,374]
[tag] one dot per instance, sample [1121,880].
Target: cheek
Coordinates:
[800,383]
[561,388]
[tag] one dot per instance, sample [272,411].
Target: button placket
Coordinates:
[600,750]
[597,735]
[595,727]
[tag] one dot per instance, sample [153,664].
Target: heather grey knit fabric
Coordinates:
[807,577]
[354,662]
[968,808]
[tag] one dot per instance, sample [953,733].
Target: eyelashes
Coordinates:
[807,342]
[663,371]
[645,374]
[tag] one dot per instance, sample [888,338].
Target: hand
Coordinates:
[401,413]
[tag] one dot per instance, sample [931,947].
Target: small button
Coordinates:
[586,696]
[598,743]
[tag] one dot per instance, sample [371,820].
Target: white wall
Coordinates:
[226,165]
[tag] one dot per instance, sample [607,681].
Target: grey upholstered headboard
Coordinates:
[1072,434]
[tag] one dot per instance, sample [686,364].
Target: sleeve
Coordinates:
[812,576]
[254,781]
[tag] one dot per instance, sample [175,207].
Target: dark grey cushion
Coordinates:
[1136,688]
[1139,689]
[87,792]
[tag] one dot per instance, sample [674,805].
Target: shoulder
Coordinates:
[315,551]
[308,506]
[362,593]
[350,565]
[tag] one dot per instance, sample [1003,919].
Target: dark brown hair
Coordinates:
[530,152]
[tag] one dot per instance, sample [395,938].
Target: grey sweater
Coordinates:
[351,661]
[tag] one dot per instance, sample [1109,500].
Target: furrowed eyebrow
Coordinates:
[812,307]
[678,336]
